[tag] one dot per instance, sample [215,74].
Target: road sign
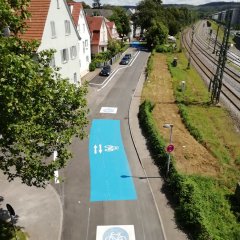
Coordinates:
[170,148]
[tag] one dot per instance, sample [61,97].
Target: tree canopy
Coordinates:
[40,111]
[121,20]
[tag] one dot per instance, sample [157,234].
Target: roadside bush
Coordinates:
[164,48]
[201,205]
[92,66]
[149,66]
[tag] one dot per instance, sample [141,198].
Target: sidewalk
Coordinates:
[38,210]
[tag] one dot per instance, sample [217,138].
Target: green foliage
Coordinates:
[164,48]
[149,66]
[40,111]
[7,232]
[114,47]
[156,34]
[201,206]
[121,20]
[92,66]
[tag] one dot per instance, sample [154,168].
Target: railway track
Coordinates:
[207,64]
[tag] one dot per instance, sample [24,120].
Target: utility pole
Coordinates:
[215,85]
[190,52]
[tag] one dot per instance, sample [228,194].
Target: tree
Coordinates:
[40,112]
[156,34]
[121,20]
[147,12]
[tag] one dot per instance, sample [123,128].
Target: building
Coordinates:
[84,43]
[52,25]
[99,34]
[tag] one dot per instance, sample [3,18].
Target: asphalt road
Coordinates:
[81,216]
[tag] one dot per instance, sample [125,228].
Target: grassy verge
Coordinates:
[7,232]
[218,133]
[204,206]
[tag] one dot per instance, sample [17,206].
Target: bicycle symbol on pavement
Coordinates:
[115,233]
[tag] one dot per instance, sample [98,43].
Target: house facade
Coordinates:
[51,23]
[99,34]
[112,29]
[84,43]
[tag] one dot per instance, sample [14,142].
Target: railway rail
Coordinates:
[208,64]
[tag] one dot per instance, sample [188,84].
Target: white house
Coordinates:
[84,43]
[99,34]
[51,23]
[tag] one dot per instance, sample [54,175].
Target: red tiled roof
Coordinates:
[39,11]
[95,24]
[77,6]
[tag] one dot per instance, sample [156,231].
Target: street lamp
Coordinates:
[170,146]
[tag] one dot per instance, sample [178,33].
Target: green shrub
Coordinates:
[201,205]
[92,66]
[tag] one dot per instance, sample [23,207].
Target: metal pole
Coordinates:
[190,52]
[216,39]
[169,157]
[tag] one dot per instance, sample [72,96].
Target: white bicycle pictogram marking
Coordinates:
[110,148]
[115,236]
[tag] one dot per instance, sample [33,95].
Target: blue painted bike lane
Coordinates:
[110,174]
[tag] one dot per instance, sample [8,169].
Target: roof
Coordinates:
[36,23]
[98,12]
[76,8]
[95,24]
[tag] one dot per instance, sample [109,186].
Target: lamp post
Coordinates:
[170,146]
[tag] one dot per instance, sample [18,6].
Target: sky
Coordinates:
[135,2]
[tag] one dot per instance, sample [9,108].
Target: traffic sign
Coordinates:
[170,148]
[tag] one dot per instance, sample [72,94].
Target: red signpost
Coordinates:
[170,148]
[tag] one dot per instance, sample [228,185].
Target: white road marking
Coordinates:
[105,84]
[112,110]
[56,174]
[89,212]
[116,232]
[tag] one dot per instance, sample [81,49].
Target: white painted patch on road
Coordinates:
[118,232]
[112,110]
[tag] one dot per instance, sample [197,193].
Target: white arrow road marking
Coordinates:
[95,149]
[100,148]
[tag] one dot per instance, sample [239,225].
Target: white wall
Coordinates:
[84,44]
[58,14]
[103,41]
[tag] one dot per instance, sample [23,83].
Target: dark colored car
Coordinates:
[124,61]
[106,70]
[128,55]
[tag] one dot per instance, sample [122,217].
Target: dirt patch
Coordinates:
[191,157]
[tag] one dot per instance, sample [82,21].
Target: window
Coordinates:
[52,62]
[75,78]
[86,43]
[102,49]
[58,6]
[65,56]
[67,27]
[87,58]
[83,47]
[53,29]
[73,52]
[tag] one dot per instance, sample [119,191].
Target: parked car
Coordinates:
[105,71]
[124,61]
[128,55]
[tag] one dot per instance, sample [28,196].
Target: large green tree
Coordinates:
[40,111]
[121,20]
